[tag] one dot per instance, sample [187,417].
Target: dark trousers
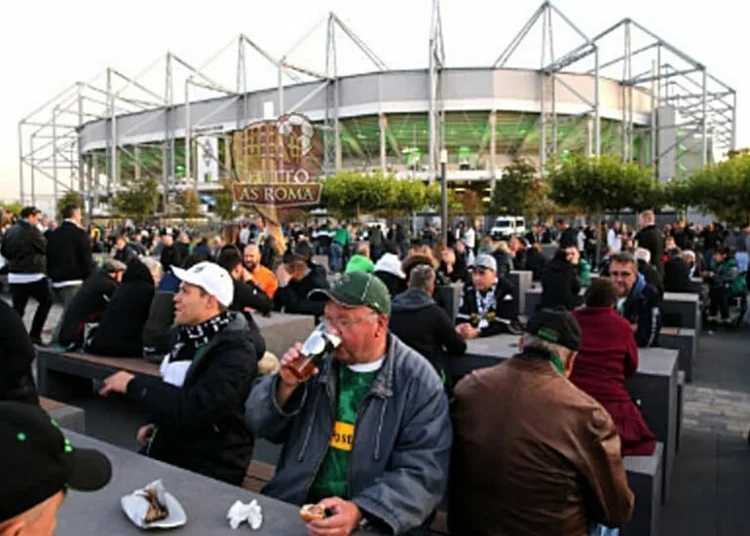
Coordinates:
[39,290]
[720,300]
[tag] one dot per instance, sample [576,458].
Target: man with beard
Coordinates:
[639,302]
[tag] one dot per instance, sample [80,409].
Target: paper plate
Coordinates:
[135,505]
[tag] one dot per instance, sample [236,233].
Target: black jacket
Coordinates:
[643,308]
[395,284]
[651,239]
[502,307]
[120,331]
[126,254]
[422,325]
[200,426]
[651,274]
[87,306]
[155,335]
[68,254]
[248,294]
[170,256]
[24,248]
[677,276]
[535,263]
[16,355]
[560,284]
[293,297]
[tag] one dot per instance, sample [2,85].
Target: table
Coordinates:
[206,501]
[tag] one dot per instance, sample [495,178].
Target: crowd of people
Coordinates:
[382,433]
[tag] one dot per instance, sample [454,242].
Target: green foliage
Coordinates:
[680,195]
[519,192]
[191,206]
[12,206]
[224,208]
[724,189]
[138,200]
[350,194]
[68,198]
[594,186]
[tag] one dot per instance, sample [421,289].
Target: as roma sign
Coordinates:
[277,163]
[280,195]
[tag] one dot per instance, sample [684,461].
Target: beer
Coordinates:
[315,351]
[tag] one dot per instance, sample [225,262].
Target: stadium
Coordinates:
[641,99]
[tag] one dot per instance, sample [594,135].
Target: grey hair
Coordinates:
[689,253]
[154,266]
[532,341]
[422,277]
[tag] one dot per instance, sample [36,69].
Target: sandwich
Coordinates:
[311,512]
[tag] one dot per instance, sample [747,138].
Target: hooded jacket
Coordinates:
[87,305]
[560,284]
[425,327]
[200,426]
[120,331]
[388,270]
[643,308]
[292,298]
[398,468]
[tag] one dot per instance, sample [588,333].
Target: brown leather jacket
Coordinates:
[533,455]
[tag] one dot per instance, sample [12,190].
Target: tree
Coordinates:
[137,200]
[680,195]
[724,189]
[466,203]
[13,207]
[68,198]
[520,191]
[191,207]
[225,207]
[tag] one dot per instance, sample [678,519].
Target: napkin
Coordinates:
[250,512]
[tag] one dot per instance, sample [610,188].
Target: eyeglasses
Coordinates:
[620,274]
[341,324]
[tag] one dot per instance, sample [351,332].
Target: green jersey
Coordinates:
[332,479]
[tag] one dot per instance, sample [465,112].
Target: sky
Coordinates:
[48,45]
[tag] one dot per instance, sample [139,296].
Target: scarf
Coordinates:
[175,366]
[202,333]
[484,304]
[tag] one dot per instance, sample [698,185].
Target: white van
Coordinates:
[505,226]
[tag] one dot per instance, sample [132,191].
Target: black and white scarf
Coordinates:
[201,334]
[486,302]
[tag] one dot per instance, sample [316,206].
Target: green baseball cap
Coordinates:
[357,289]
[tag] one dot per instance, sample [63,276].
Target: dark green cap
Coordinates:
[357,289]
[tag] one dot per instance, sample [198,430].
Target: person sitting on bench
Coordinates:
[487,303]
[17,353]
[608,356]
[726,282]
[639,302]
[89,303]
[533,454]
[198,408]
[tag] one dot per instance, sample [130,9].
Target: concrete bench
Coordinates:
[645,475]
[653,386]
[684,340]
[522,281]
[680,406]
[69,417]
[681,310]
[62,375]
[282,330]
[449,297]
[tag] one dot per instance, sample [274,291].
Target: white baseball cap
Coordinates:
[210,277]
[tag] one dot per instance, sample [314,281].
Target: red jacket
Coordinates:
[607,356]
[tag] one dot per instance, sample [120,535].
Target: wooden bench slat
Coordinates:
[131,364]
[48,404]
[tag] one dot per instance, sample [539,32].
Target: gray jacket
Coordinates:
[399,463]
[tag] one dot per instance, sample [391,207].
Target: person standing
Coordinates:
[25,249]
[69,260]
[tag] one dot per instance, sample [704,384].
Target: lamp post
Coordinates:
[444,195]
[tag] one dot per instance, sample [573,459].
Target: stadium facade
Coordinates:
[95,137]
